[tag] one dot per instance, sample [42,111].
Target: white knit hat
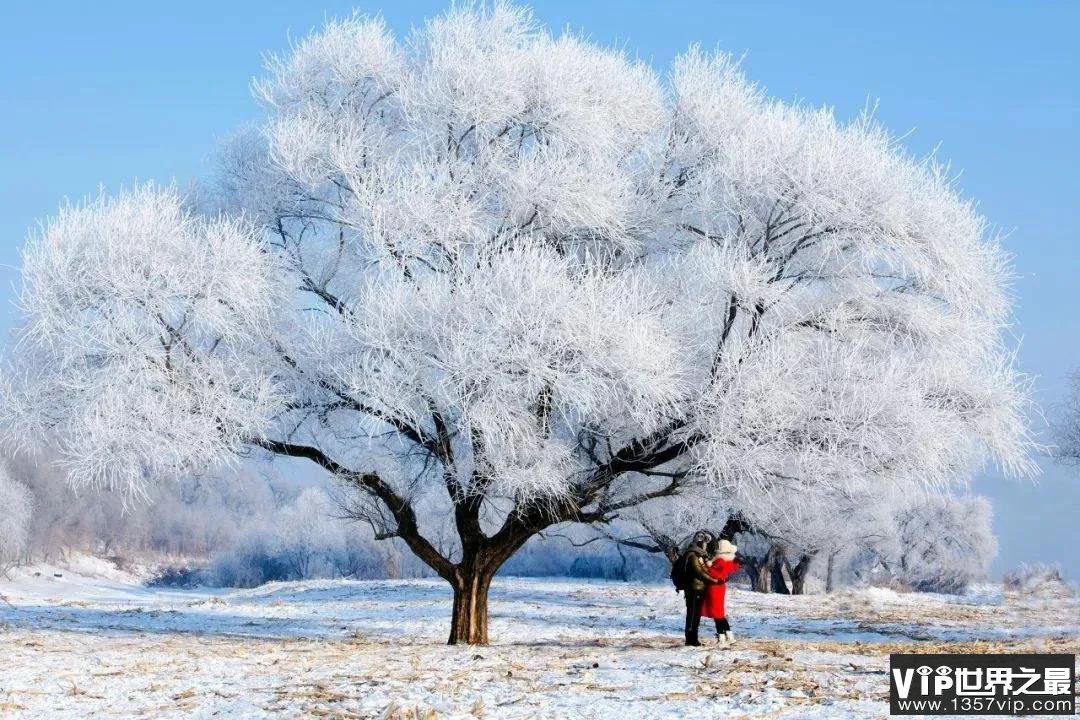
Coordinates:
[727,550]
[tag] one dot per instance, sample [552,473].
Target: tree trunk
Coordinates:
[623,574]
[799,573]
[753,569]
[829,573]
[763,581]
[779,582]
[481,553]
[770,573]
[758,572]
[469,617]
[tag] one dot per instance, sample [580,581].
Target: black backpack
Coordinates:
[678,571]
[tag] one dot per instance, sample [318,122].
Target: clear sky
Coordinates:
[107,93]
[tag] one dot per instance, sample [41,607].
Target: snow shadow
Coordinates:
[522,612]
[158,622]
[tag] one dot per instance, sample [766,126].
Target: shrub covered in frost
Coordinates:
[1038,579]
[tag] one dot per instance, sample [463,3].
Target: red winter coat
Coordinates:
[713,605]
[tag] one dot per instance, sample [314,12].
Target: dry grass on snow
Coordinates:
[563,649]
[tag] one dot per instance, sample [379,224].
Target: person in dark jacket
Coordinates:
[697,578]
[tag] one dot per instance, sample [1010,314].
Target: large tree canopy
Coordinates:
[503,279]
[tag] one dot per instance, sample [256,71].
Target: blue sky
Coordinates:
[108,93]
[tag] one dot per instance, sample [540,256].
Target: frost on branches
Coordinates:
[895,534]
[499,279]
[17,504]
[1066,424]
[944,543]
[144,338]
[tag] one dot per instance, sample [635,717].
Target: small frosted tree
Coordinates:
[1066,425]
[310,537]
[17,504]
[943,544]
[819,520]
[496,280]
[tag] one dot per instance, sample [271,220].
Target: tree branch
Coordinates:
[400,508]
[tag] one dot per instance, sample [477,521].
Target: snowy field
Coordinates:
[97,644]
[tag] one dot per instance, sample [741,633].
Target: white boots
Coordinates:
[725,640]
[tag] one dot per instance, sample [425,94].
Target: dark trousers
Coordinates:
[722,625]
[693,615]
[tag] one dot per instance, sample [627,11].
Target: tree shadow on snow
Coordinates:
[421,612]
[166,622]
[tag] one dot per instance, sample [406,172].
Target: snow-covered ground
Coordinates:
[96,643]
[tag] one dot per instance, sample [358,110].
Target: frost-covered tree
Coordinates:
[17,504]
[1066,426]
[821,520]
[943,543]
[928,541]
[667,528]
[309,535]
[497,280]
[848,524]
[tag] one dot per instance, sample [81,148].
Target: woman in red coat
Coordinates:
[720,567]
